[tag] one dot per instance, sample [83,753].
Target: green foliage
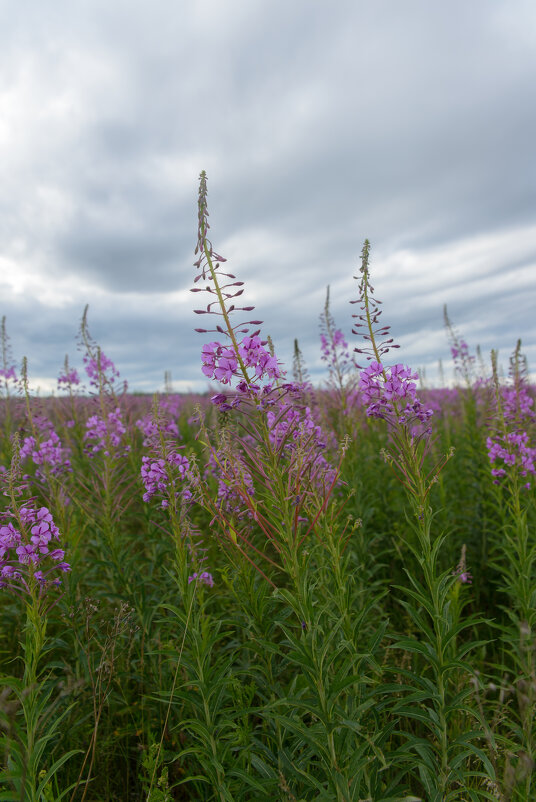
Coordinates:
[341,653]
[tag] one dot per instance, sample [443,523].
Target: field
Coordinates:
[274,592]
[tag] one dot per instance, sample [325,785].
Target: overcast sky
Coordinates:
[411,123]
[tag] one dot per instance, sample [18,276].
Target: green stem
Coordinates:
[225,314]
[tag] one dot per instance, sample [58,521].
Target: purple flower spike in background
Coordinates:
[69,378]
[389,392]
[100,369]
[165,472]
[99,366]
[336,354]
[511,450]
[105,435]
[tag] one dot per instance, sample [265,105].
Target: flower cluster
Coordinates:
[342,376]
[8,373]
[24,550]
[203,577]
[106,433]
[225,362]
[233,479]
[461,355]
[150,429]
[222,363]
[168,474]
[464,361]
[517,403]
[46,450]
[335,352]
[156,478]
[329,349]
[165,470]
[294,432]
[69,378]
[289,423]
[511,449]
[391,393]
[100,368]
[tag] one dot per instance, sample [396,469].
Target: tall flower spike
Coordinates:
[300,374]
[517,402]
[7,368]
[370,315]
[100,370]
[244,359]
[464,361]
[335,353]
[29,539]
[510,450]
[68,377]
[388,392]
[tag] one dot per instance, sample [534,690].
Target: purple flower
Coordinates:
[27,553]
[517,403]
[25,550]
[463,360]
[106,433]
[150,429]
[100,368]
[391,393]
[154,476]
[8,572]
[510,450]
[8,373]
[226,367]
[465,578]
[209,354]
[9,539]
[254,355]
[233,479]
[204,577]
[159,479]
[336,349]
[221,363]
[68,378]
[46,450]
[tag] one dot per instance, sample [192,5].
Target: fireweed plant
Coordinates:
[433,695]
[335,353]
[274,514]
[107,449]
[512,456]
[8,379]
[31,566]
[276,590]
[275,439]
[470,482]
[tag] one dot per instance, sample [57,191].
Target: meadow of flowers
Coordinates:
[272,591]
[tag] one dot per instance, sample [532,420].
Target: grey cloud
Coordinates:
[130,260]
[410,124]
